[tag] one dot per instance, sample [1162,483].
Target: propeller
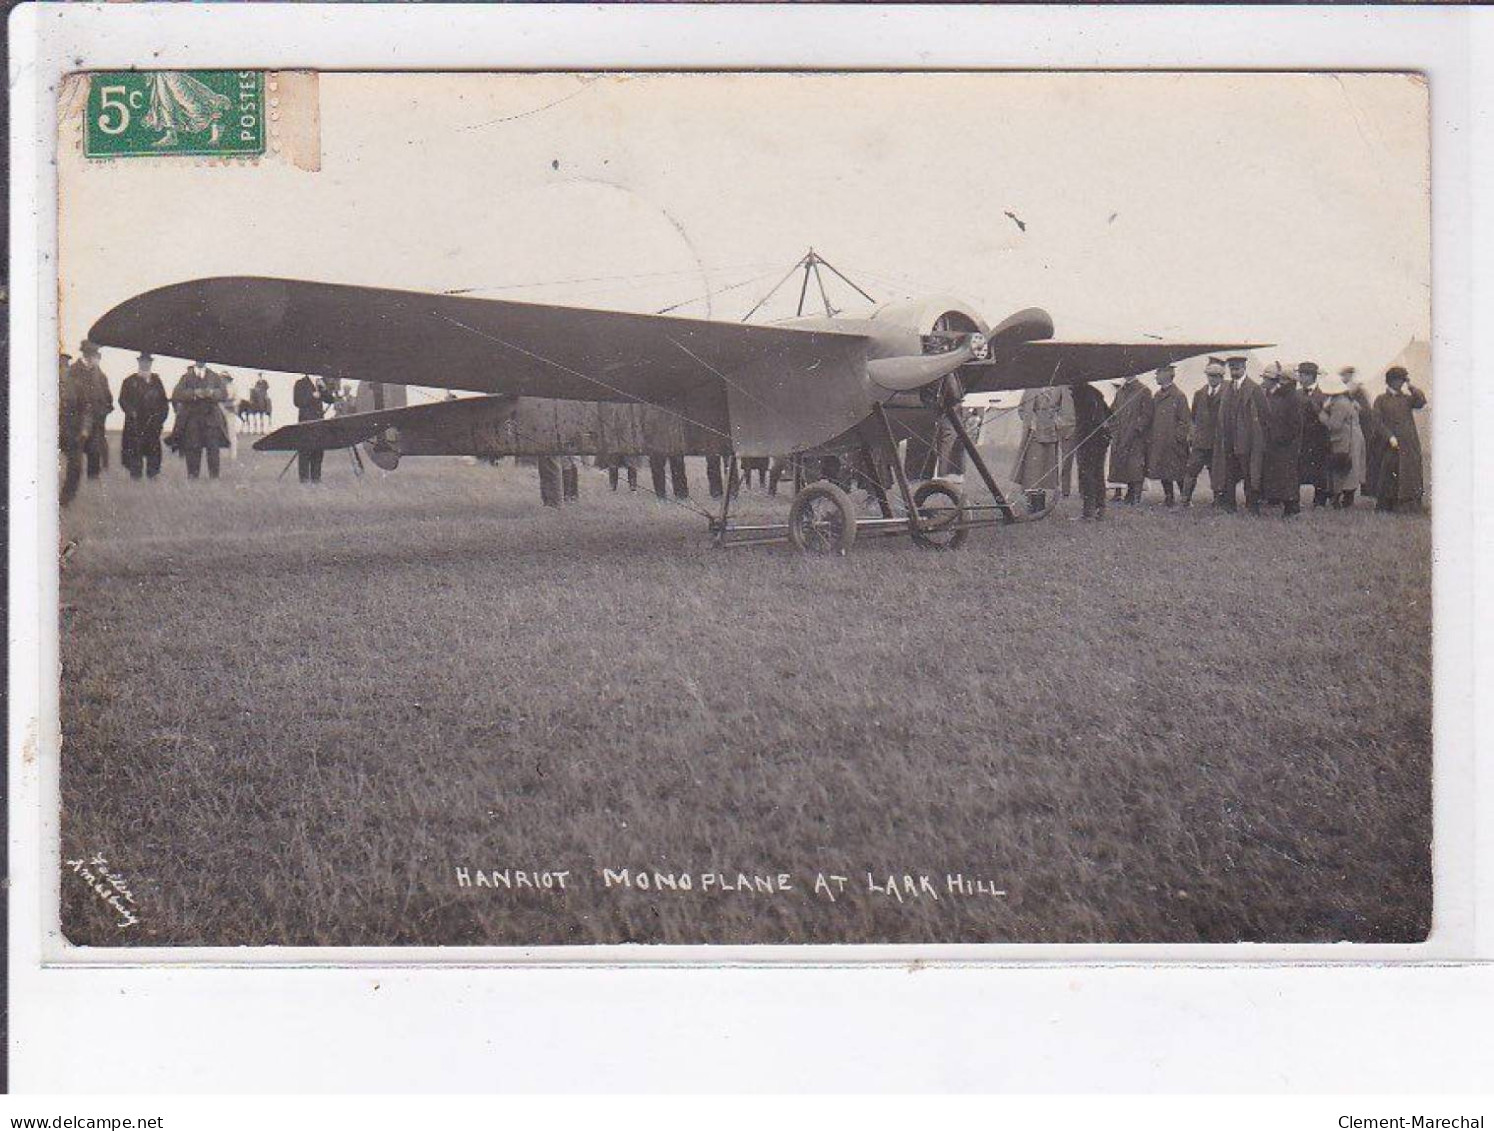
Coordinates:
[1031,325]
[902,374]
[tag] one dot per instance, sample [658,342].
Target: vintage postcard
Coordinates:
[563,509]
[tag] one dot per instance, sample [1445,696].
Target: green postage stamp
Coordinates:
[175,113]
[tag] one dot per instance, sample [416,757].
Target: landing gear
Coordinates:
[940,508]
[822,520]
[935,515]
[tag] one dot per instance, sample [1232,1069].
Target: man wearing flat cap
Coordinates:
[1399,484]
[100,402]
[1167,443]
[143,399]
[1203,428]
[1314,469]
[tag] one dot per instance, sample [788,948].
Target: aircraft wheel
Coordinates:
[941,506]
[822,520]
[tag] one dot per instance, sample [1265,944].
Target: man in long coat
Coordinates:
[1222,466]
[1400,485]
[1314,470]
[1037,464]
[1130,430]
[1066,437]
[1203,429]
[73,423]
[311,399]
[143,400]
[1091,438]
[1237,449]
[1281,453]
[1167,443]
[100,403]
[200,426]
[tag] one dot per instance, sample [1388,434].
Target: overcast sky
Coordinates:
[1287,209]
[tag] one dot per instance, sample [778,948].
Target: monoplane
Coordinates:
[648,384]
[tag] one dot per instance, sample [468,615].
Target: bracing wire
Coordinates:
[605,278]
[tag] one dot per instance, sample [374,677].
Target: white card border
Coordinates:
[48,41]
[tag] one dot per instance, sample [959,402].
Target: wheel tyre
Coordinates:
[947,510]
[822,520]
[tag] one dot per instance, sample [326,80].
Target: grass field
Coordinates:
[291,716]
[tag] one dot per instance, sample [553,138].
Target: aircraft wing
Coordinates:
[451,342]
[1032,365]
[744,382]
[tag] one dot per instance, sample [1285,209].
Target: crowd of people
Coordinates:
[206,421]
[1272,438]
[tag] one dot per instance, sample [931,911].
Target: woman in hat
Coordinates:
[1344,461]
[1400,480]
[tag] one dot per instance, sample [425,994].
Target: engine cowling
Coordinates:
[930,338]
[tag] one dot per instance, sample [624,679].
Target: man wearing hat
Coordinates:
[1281,452]
[311,398]
[200,427]
[143,400]
[1130,430]
[1314,470]
[100,402]
[1399,483]
[1238,446]
[1167,442]
[1203,428]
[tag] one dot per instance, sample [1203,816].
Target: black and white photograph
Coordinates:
[575,509]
